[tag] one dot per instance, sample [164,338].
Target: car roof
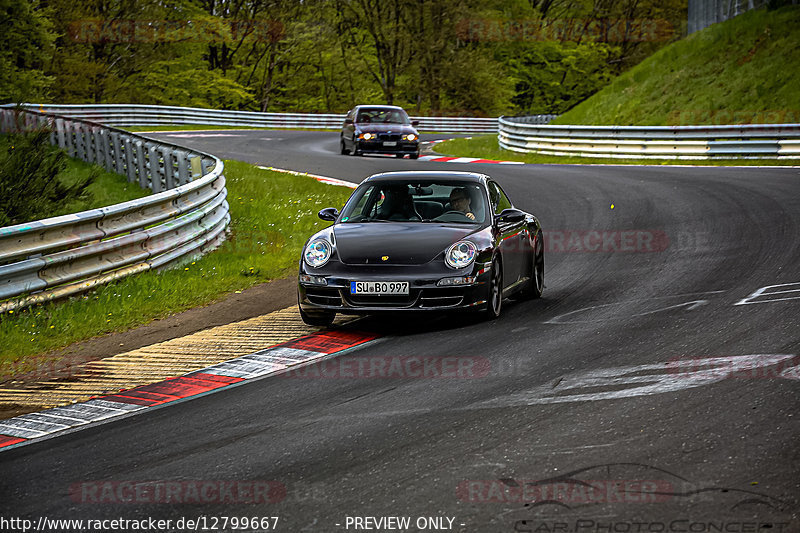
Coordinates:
[379,106]
[443,175]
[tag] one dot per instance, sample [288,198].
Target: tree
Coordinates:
[26,45]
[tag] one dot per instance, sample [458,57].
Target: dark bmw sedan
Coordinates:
[373,129]
[421,241]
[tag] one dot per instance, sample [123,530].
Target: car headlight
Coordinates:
[367,136]
[461,254]
[410,137]
[317,253]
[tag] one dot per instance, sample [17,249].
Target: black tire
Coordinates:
[535,285]
[343,149]
[414,156]
[399,156]
[494,294]
[321,318]
[356,151]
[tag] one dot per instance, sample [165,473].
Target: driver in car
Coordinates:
[460,201]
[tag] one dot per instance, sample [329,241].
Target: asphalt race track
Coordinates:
[653,388]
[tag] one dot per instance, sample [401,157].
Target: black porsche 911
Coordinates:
[379,129]
[421,241]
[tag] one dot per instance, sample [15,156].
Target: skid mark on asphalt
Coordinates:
[160,361]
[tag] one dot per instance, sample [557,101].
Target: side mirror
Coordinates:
[329,213]
[510,216]
[415,123]
[348,121]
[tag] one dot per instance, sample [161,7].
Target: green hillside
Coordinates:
[745,70]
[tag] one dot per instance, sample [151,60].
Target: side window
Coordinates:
[498,198]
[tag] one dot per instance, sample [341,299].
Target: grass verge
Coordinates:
[272,214]
[486,147]
[743,70]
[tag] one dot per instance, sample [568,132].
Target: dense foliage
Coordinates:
[471,57]
[30,178]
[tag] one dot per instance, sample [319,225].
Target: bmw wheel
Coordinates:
[342,148]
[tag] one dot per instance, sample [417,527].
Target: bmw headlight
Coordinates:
[317,253]
[410,137]
[367,136]
[461,254]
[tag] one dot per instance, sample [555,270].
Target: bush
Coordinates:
[30,184]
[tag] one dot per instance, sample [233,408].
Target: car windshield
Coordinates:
[382,115]
[416,201]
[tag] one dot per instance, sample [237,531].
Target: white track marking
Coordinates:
[641,380]
[324,179]
[690,305]
[762,292]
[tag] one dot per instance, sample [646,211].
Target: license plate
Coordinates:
[390,143]
[379,287]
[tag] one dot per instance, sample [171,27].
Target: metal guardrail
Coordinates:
[61,256]
[746,141]
[147,115]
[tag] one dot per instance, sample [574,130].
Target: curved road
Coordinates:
[653,388]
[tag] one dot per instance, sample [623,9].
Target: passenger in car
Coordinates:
[397,205]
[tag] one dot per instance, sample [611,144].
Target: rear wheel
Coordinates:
[319,318]
[535,285]
[494,299]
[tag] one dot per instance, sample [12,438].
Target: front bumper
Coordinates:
[424,293]
[378,147]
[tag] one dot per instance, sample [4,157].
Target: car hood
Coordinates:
[412,243]
[383,128]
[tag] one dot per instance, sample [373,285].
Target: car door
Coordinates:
[508,235]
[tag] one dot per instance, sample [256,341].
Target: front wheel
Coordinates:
[414,156]
[320,318]
[494,300]
[342,148]
[355,151]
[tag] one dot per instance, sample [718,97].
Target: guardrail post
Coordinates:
[169,168]
[118,161]
[101,147]
[154,170]
[141,165]
[130,168]
[60,133]
[208,166]
[184,176]
[80,142]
